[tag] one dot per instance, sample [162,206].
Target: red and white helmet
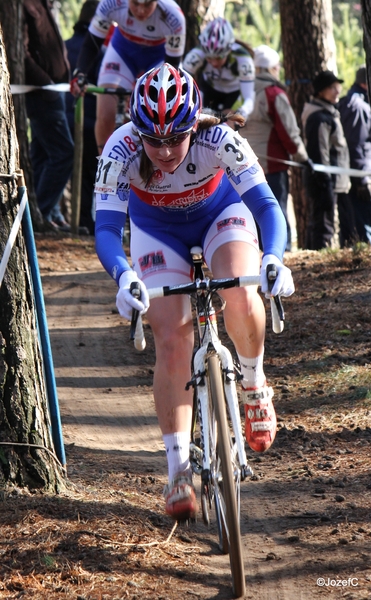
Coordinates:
[217,38]
[165,101]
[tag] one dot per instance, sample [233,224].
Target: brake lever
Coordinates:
[275,300]
[135,291]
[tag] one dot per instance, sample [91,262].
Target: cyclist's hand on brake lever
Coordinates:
[125,301]
[284,284]
[78,83]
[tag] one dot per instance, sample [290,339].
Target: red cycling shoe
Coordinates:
[261,422]
[180,497]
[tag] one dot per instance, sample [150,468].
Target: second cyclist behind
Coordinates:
[223,68]
[148,33]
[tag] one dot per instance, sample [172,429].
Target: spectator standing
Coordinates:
[90,150]
[272,129]
[51,148]
[224,69]
[326,145]
[148,33]
[355,114]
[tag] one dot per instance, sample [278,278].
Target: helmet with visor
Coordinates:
[165,101]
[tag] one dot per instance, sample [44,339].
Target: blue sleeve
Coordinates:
[109,233]
[269,216]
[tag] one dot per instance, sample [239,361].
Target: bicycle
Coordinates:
[217,445]
[122,112]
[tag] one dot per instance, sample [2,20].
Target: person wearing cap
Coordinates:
[148,33]
[355,114]
[272,129]
[326,145]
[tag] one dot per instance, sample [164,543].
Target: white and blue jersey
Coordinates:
[162,34]
[205,198]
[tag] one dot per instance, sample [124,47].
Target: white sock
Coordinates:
[177,452]
[252,371]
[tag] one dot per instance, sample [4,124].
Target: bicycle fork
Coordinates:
[202,394]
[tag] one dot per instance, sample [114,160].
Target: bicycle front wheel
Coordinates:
[224,484]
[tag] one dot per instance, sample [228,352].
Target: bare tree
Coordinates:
[308,47]
[26,449]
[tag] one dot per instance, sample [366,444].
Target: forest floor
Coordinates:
[306,514]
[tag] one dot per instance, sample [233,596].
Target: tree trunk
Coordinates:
[308,47]
[366,21]
[11,20]
[23,404]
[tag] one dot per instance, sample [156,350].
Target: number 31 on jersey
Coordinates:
[108,171]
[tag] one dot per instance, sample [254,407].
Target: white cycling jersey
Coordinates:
[165,26]
[238,69]
[215,151]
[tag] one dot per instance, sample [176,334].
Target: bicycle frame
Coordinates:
[209,342]
[219,455]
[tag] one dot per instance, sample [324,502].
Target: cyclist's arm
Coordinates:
[194,61]
[245,174]
[269,216]
[248,95]
[246,73]
[109,229]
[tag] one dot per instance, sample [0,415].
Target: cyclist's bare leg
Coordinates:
[244,313]
[105,122]
[172,327]
[244,317]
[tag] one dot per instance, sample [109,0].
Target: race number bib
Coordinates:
[236,153]
[108,171]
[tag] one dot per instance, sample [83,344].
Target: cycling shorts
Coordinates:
[158,262]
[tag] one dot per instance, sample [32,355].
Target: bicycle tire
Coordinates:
[230,525]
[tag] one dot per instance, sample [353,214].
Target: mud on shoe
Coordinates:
[261,422]
[180,498]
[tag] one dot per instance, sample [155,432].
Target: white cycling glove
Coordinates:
[125,301]
[284,284]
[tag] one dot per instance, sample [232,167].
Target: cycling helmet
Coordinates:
[165,101]
[217,38]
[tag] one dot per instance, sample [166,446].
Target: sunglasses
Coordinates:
[170,142]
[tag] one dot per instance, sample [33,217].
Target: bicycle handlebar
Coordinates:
[94,89]
[212,285]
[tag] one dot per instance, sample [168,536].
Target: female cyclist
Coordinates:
[224,69]
[148,33]
[189,181]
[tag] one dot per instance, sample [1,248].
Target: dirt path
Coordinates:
[296,528]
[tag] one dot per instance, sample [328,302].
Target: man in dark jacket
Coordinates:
[355,114]
[90,150]
[51,149]
[326,145]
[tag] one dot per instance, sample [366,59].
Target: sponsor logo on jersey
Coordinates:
[182,199]
[112,66]
[231,222]
[157,178]
[152,262]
